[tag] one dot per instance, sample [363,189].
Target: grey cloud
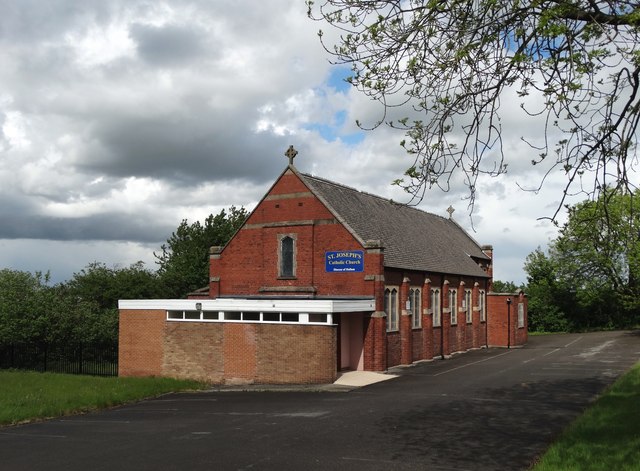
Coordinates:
[168,45]
[111,227]
[190,150]
[171,111]
[22,219]
[3,139]
[35,20]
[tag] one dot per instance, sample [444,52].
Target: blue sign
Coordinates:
[344,261]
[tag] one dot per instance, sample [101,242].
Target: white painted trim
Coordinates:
[323,306]
[302,318]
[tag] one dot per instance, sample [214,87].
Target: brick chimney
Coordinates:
[488,250]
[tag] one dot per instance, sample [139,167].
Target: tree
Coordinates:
[184,261]
[106,285]
[449,64]
[548,297]
[33,311]
[97,288]
[589,279]
[505,287]
[18,294]
[598,251]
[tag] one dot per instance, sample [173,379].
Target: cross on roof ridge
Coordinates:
[291,154]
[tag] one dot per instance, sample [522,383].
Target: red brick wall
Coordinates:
[140,346]
[455,337]
[296,354]
[230,353]
[394,346]
[498,314]
[417,345]
[437,345]
[375,343]
[193,350]
[426,343]
[249,263]
[239,353]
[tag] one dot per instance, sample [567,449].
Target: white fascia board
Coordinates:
[249,305]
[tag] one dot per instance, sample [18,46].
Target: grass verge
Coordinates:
[606,436]
[26,395]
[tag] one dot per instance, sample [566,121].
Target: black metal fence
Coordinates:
[82,358]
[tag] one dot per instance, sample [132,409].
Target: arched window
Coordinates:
[435,306]
[391,308]
[287,257]
[453,305]
[414,303]
[468,305]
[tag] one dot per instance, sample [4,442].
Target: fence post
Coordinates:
[80,346]
[100,359]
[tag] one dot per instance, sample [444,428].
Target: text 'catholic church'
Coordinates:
[322,278]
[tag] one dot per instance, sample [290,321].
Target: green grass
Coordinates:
[606,437]
[26,396]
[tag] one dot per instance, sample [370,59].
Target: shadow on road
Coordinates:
[502,427]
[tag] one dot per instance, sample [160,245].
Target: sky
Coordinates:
[120,119]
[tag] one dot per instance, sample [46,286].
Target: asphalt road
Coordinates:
[490,409]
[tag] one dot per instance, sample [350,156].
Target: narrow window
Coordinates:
[414,303]
[391,308]
[287,257]
[520,315]
[482,301]
[468,306]
[435,306]
[453,305]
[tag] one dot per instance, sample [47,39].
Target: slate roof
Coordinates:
[412,239]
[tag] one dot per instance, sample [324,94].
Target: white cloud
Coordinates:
[119,119]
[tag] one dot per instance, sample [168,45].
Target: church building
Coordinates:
[323,278]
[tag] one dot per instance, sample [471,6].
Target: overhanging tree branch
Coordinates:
[446,65]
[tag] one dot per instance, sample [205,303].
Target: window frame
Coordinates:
[453,305]
[250,317]
[468,301]
[482,305]
[415,304]
[281,260]
[436,307]
[391,295]
[520,315]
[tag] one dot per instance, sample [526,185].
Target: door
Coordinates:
[351,347]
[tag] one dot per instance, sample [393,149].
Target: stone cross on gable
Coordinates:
[291,154]
[450,210]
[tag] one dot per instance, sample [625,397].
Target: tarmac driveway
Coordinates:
[490,409]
